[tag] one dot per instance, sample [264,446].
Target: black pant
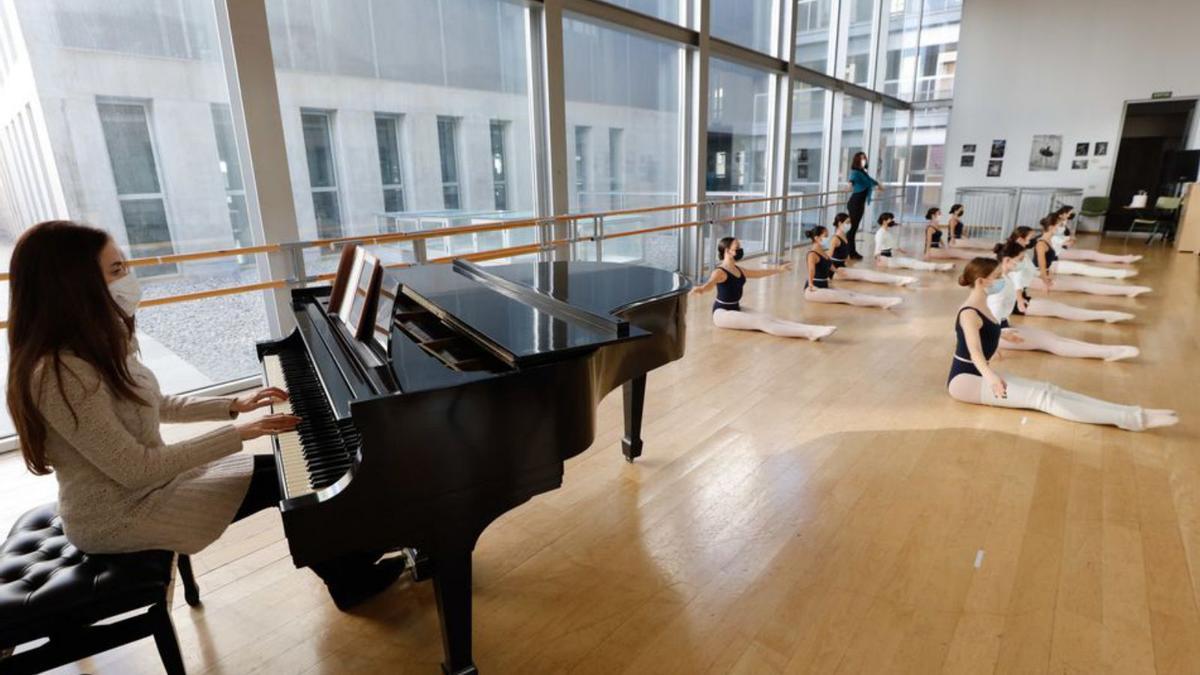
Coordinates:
[264,493]
[857,205]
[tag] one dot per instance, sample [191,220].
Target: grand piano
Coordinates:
[436,398]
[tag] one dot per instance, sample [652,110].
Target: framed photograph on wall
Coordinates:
[1081,149]
[1079,164]
[994,168]
[967,160]
[968,148]
[998,148]
[1101,148]
[1045,152]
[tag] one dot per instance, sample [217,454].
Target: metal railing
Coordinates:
[994,212]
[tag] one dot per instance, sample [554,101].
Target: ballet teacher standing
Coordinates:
[861,186]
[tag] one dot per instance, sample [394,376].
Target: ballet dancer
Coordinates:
[933,239]
[1062,241]
[839,249]
[820,274]
[1002,304]
[1072,252]
[1024,275]
[1045,257]
[972,379]
[728,311]
[954,225]
[887,245]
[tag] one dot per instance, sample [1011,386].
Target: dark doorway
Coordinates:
[1152,139]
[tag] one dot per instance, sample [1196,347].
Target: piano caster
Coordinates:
[631,450]
[418,564]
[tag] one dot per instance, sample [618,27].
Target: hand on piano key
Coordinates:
[258,399]
[267,425]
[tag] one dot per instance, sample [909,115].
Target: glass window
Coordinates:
[500,164]
[391,168]
[739,110]
[858,40]
[322,173]
[145,148]
[809,122]
[900,48]
[938,49]
[448,152]
[743,22]
[891,165]
[667,10]
[855,134]
[927,166]
[624,87]
[814,32]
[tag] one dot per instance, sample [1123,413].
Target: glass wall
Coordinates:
[739,107]
[892,161]
[816,33]
[928,165]
[858,41]
[938,50]
[743,22]
[626,119]
[899,53]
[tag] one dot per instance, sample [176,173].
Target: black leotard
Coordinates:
[841,249]
[958,230]
[935,241]
[1051,256]
[989,338]
[729,292]
[823,272]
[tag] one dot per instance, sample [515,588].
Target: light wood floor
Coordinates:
[801,507]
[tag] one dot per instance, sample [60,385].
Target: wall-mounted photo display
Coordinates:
[968,148]
[967,160]
[1079,164]
[1081,149]
[1045,152]
[994,168]
[998,148]
[1101,148]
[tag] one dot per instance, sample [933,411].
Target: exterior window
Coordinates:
[500,164]
[391,169]
[231,174]
[448,146]
[581,172]
[616,159]
[131,152]
[322,173]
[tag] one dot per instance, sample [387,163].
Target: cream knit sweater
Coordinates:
[120,487]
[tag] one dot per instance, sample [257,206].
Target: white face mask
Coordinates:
[127,293]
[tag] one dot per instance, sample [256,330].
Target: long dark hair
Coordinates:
[860,158]
[59,302]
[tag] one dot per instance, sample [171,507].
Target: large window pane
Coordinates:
[938,52]
[446,69]
[816,30]
[928,154]
[124,122]
[500,164]
[858,40]
[738,114]
[322,173]
[855,115]
[391,163]
[622,93]
[891,165]
[899,64]
[809,122]
[667,10]
[743,22]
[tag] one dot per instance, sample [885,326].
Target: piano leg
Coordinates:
[452,588]
[634,393]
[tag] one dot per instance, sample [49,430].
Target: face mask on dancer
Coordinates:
[127,293]
[739,253]
[995,287]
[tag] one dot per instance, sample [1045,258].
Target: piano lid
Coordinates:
[598,287]
[519,331]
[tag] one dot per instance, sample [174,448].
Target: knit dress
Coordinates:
[120,487]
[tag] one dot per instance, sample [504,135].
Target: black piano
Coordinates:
[461,402]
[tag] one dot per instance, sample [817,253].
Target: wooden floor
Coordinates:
[803,508]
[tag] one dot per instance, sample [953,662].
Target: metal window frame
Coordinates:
[396,119]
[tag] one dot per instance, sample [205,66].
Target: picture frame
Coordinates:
[968,148]
[967,161]
[1101,148]
[1081,149]
[1079,164]
[998,146]
[1045,152]
[994,168]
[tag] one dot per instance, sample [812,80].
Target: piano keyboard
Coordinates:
[315,455]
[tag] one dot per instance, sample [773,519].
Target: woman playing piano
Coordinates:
[87,408]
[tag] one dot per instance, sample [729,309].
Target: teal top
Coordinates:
[862,182]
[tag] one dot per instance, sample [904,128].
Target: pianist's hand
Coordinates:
[265,426]
[258,399]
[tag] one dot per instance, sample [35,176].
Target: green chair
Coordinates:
[1094,207]
[1160,221]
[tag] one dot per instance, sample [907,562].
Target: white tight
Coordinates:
[838,296]
[902,263]
[1085,270]
[1048,398]
[861,274]
[1096,256]
[1036,339]
[1077,285]
[1058,310]
[750,320]
[953,253]
[982,244]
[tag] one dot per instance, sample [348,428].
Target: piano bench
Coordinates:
[51,590]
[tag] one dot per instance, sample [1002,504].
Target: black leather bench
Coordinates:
[50,589]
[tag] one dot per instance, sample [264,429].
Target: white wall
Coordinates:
[1063,67]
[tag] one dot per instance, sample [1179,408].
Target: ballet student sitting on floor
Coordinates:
[934,250]
[839,250]
[1045,257]
[728,312]
[819,288]
[956,227]
[1072,252]
[887,249]
[972,379]
[1024,275]
[1028,338]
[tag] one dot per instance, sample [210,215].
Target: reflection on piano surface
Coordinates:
[462,401]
